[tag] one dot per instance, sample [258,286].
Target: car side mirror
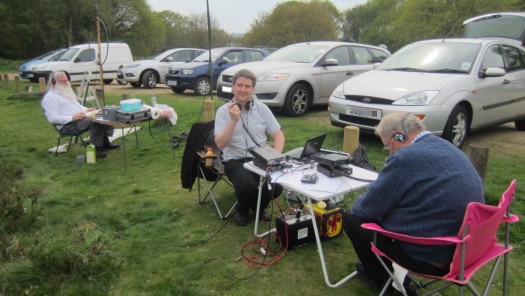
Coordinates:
[331,62]
[222,62]
[169,59]
[375,66]
[77,60]
[494,72]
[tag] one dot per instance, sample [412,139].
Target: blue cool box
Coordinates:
[130,105]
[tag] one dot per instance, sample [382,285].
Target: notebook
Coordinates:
[311,147]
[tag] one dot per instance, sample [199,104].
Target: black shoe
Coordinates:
[362,274]
[101,154]
[241,219]
[107,145]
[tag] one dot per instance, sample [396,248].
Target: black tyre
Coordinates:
[108,81]
[149,79]
[135,84]
[297,100]
[520,124]
[457,126]
[177,90]
[202,87]
[122,81]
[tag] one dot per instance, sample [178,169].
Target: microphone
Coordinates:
[238,105]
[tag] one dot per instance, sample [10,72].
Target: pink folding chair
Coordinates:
[476,246]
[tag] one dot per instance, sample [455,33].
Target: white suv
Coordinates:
[153,71]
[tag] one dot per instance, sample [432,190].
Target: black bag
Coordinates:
[360,159]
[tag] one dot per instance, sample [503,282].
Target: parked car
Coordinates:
[24,69]
[80,59]
[195,75]
[150,72]
[454,85]
[510,25]
[300,75]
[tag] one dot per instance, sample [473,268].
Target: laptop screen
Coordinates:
[313,146]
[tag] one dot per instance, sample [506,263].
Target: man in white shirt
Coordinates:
[61,108]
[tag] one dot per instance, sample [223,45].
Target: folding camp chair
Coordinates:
[71,130]
[476,245]
[194,166]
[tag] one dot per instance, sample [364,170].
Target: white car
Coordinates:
[150,72]
[300,75]
[454,85]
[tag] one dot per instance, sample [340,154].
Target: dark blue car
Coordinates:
[196,75]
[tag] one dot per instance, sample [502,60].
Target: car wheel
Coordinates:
[177,90]
[149,79]
[122,81]
[202,87]
[457,128]
[520,124]
[297,101]
[135,84]
[108,81]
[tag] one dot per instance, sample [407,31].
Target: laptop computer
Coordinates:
[311,147]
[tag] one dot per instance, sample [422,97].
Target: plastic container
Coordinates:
[130,105]
[209,157]
[91,154]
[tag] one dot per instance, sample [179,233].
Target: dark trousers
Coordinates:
[246,184]
[97,131]
[361,239]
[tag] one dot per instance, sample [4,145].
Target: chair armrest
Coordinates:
[441,240]
[511,219]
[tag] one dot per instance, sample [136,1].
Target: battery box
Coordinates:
[299,229]
[128,117]
[329,221]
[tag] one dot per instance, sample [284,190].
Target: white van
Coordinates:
[79,59]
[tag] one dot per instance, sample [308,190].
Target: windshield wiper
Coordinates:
[446,70]
[407,69]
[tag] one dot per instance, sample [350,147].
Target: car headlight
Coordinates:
[272,77]
[418,98]
[131,66]
[187,71]
[339,92]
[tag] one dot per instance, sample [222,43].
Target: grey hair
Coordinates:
[399,122]
[246,74]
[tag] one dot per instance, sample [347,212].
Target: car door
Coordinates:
[514,81]
[330,76]
[491,92]
[84,62]
[233,57]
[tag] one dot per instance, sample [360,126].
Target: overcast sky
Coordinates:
[234,16]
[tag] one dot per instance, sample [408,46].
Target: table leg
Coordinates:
[262,182]
[124,150]
[321,254]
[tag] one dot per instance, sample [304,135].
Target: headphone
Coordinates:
[248,106]
[400,136]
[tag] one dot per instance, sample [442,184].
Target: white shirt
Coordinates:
[60,110]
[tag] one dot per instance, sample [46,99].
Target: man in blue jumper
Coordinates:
[423,190]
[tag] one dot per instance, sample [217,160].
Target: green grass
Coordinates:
[103,231]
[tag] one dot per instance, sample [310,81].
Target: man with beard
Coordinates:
[61,108]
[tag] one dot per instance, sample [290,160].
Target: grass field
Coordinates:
[100,230]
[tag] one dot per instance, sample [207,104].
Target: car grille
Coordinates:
[359,120]
[227,78]
[174,72]
[368,100]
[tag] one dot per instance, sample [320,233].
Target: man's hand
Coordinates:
[235,112]
[79,116]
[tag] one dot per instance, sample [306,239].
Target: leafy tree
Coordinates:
[292,22]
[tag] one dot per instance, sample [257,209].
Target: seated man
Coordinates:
[241,124]
[61,107]
[423,190]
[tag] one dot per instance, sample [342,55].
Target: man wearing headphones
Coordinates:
[423,190]
[62,108]
[241,124]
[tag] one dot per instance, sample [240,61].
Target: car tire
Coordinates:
[520,124]
[122,81]
[177,90]
[149,79]
[297,100]
[202,87]
[135,84]
[108,81]
[457,126]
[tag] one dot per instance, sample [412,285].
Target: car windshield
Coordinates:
[436,57]
[215,54]
[301,53]
[49,55]
[68,54]
[56,55]
[497,25]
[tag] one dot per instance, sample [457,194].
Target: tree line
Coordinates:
[30,28]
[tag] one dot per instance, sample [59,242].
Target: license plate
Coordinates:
[226,89]
[30,75]
[172,82]
[363,112]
